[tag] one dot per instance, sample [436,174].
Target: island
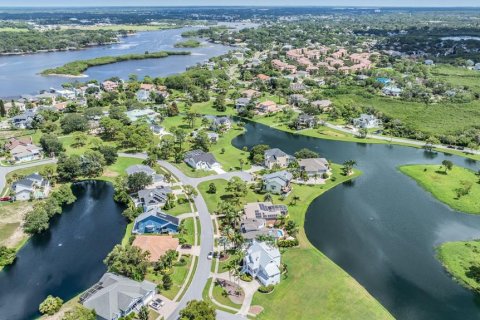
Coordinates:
[191,43]
[455,186]
[76,68]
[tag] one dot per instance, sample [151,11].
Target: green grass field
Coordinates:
[316,287]
[179,208]
[457,76]
[458,257]
[178,278]
[442,186]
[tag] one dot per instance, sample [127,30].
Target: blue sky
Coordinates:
[404,3]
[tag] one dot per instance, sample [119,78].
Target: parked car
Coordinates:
[186,246]
[6,199]
[210,255]
[157,304]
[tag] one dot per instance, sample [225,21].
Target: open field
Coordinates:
[457,258]
[457,76]
[443,185]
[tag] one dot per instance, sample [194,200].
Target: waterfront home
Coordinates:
[221,123]
[366,121]
[24,120]
[277,182]
[392,91]
[201,160]
[305,121]
[276,157]
[138,114]
[154,221]
[33,186]
[143,95]
[115,296]
[262,261]
[137,168]
[314,166]
[264,210]
[109,86]
[153,198]
[251,229]
[267,107]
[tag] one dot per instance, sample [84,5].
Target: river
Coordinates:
[21,74]
[383,228]
[66,259]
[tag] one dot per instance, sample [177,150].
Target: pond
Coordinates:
[383,228]
[66,259]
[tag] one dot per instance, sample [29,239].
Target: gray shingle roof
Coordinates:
[136,168]
[200,156]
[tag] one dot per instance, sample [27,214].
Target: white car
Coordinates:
[210,255]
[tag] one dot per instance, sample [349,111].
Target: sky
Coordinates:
[362,3]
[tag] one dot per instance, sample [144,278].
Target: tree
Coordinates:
[347,168]
[430,143]
[190,191]
[92,163]
[189,118]
[79,139]
[36,221]
[167,282]
[128,261]
[51,145]
[73,122]
[138,181]
[219,103]
[7,256]
[448,165]
[198,310]
[109,154]
[306,154]
[50,305]
[212,189]
[291,228]
[201,142]
[3,112]
[69,168]
[143,313]
[237,187]
[257,153]
[80,313]
[363,132]
[464,189]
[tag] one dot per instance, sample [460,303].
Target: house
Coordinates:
[263,77]
[158,130]
[297,99]
[137,168]
[242,103]
[221,123]
[23,149]
[276,157]
[33,186]
[251,229]
[137,114]
[262,261]
[143,95]
[314,166]
[109,86]
[323,105]
[429,62]
[24,120]
[392,91]
[201,160]
[277,182]
[366,121]
[250,94]
[297,87]
[267,107]
[153,198]
[116,296]
[305,121]
[264,210]
[154,221]
[213,136]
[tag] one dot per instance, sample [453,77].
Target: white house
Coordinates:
[366,121]
[33,186]
[201,160]
[262,261]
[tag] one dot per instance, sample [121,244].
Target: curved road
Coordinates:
[6,170]
[202,273]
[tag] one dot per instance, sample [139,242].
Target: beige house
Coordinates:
[276,157]
[267,107]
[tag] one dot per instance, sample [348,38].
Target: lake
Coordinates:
[20,74]
[383,228]
[66,259]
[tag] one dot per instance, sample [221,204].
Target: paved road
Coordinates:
[202,273]
[5,170]
[398,140]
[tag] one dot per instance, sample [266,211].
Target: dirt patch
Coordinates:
[255,310]
[110,174]
[235,292]
[11,219]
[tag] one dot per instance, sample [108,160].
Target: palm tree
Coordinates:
[268,197]
[348,167]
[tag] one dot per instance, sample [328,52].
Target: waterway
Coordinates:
[383,228]
[67,258]
[21,74]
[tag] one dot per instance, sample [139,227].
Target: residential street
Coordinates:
[5,170]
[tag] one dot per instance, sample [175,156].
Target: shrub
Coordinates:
[180,263]
[246,277]
[266,289]
[287,243]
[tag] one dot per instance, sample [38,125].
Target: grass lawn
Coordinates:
[458,257]
[178,278]
[118,168]
[442,186]
[189,235]
[457,76]
[128,233]
[207,108]
[207,299]
[190,172]
[316,287]
[180,208]
[217,294]
[230,159]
